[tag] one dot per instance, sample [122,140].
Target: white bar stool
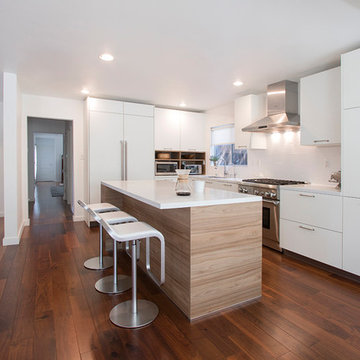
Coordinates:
[116,283]
[100,262]
[135,313]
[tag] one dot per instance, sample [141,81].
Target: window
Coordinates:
[223,146]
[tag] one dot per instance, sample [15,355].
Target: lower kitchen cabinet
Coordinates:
[222,185]
[311,225]
[351,235]
[313,242]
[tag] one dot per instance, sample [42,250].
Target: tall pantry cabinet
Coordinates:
[120,143]
[350,163]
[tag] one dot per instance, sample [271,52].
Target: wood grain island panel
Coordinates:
[213,253]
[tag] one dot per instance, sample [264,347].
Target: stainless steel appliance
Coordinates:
[282,109]
[166,167]
[269,190]
[195,169]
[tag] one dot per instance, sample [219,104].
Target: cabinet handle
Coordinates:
[306,195]
[320,141]
[242,147]
[306,228]
[208,182]
[191,149]
[167,148]
[227,184]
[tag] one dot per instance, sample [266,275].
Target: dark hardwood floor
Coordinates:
[49,308]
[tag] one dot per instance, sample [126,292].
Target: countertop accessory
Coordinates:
[336,178]
[198,185]
[183,187]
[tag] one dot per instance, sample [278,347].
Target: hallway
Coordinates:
[47,209]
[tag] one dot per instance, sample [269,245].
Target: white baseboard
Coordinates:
[78,218]
[10,240]
[15,240]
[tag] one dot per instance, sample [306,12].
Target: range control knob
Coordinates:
[273,195]
[245,191]
[267,194]
[256,192]
[261,193]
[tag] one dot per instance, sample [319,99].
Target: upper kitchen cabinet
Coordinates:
[248,109]
[192,136]
[320,108]
[120,143]
[167,129]
[350,70]
[179,130]
[103,105]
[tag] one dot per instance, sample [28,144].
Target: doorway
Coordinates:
[50,170]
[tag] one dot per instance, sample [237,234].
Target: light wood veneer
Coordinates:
[213,253]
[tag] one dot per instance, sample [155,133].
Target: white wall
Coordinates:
[12,146]
[284,157]
[1,162]
[37,125]
[62,109]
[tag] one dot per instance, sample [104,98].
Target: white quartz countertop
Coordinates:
[314,188]
[161,194]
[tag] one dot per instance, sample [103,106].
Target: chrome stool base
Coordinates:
[122,315]
[94,263]
[106,285]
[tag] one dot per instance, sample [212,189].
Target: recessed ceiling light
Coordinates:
[237,83]
[182,104]
[85,91]
[106,57]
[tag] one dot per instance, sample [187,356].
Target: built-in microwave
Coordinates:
[195,169]
[166,167]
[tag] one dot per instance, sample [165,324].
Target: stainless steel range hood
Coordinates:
[282,109]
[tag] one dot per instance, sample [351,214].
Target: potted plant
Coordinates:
[214,159]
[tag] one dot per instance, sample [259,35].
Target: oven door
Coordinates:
[271,224]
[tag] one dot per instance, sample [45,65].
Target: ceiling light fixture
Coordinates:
[182,104]
[85,91]
[106,57]
[238,83]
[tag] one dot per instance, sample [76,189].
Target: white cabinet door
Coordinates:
[167,129]
[103,105]
[320,108]
[229,186]
[320,210]
[138,109]
[350,153]
[192,136]
[351,235]
[248,109]
[350,68]
[139,137]
[105,136]
[316,243]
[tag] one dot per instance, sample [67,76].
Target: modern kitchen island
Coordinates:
[213,243]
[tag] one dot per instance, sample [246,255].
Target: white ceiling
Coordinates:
[168,51]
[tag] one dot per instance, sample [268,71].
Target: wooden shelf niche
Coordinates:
[182,158]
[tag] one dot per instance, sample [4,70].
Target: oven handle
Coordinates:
[274,202]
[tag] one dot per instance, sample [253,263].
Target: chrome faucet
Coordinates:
[226,170]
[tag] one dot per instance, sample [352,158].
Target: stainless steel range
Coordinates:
[269,189]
